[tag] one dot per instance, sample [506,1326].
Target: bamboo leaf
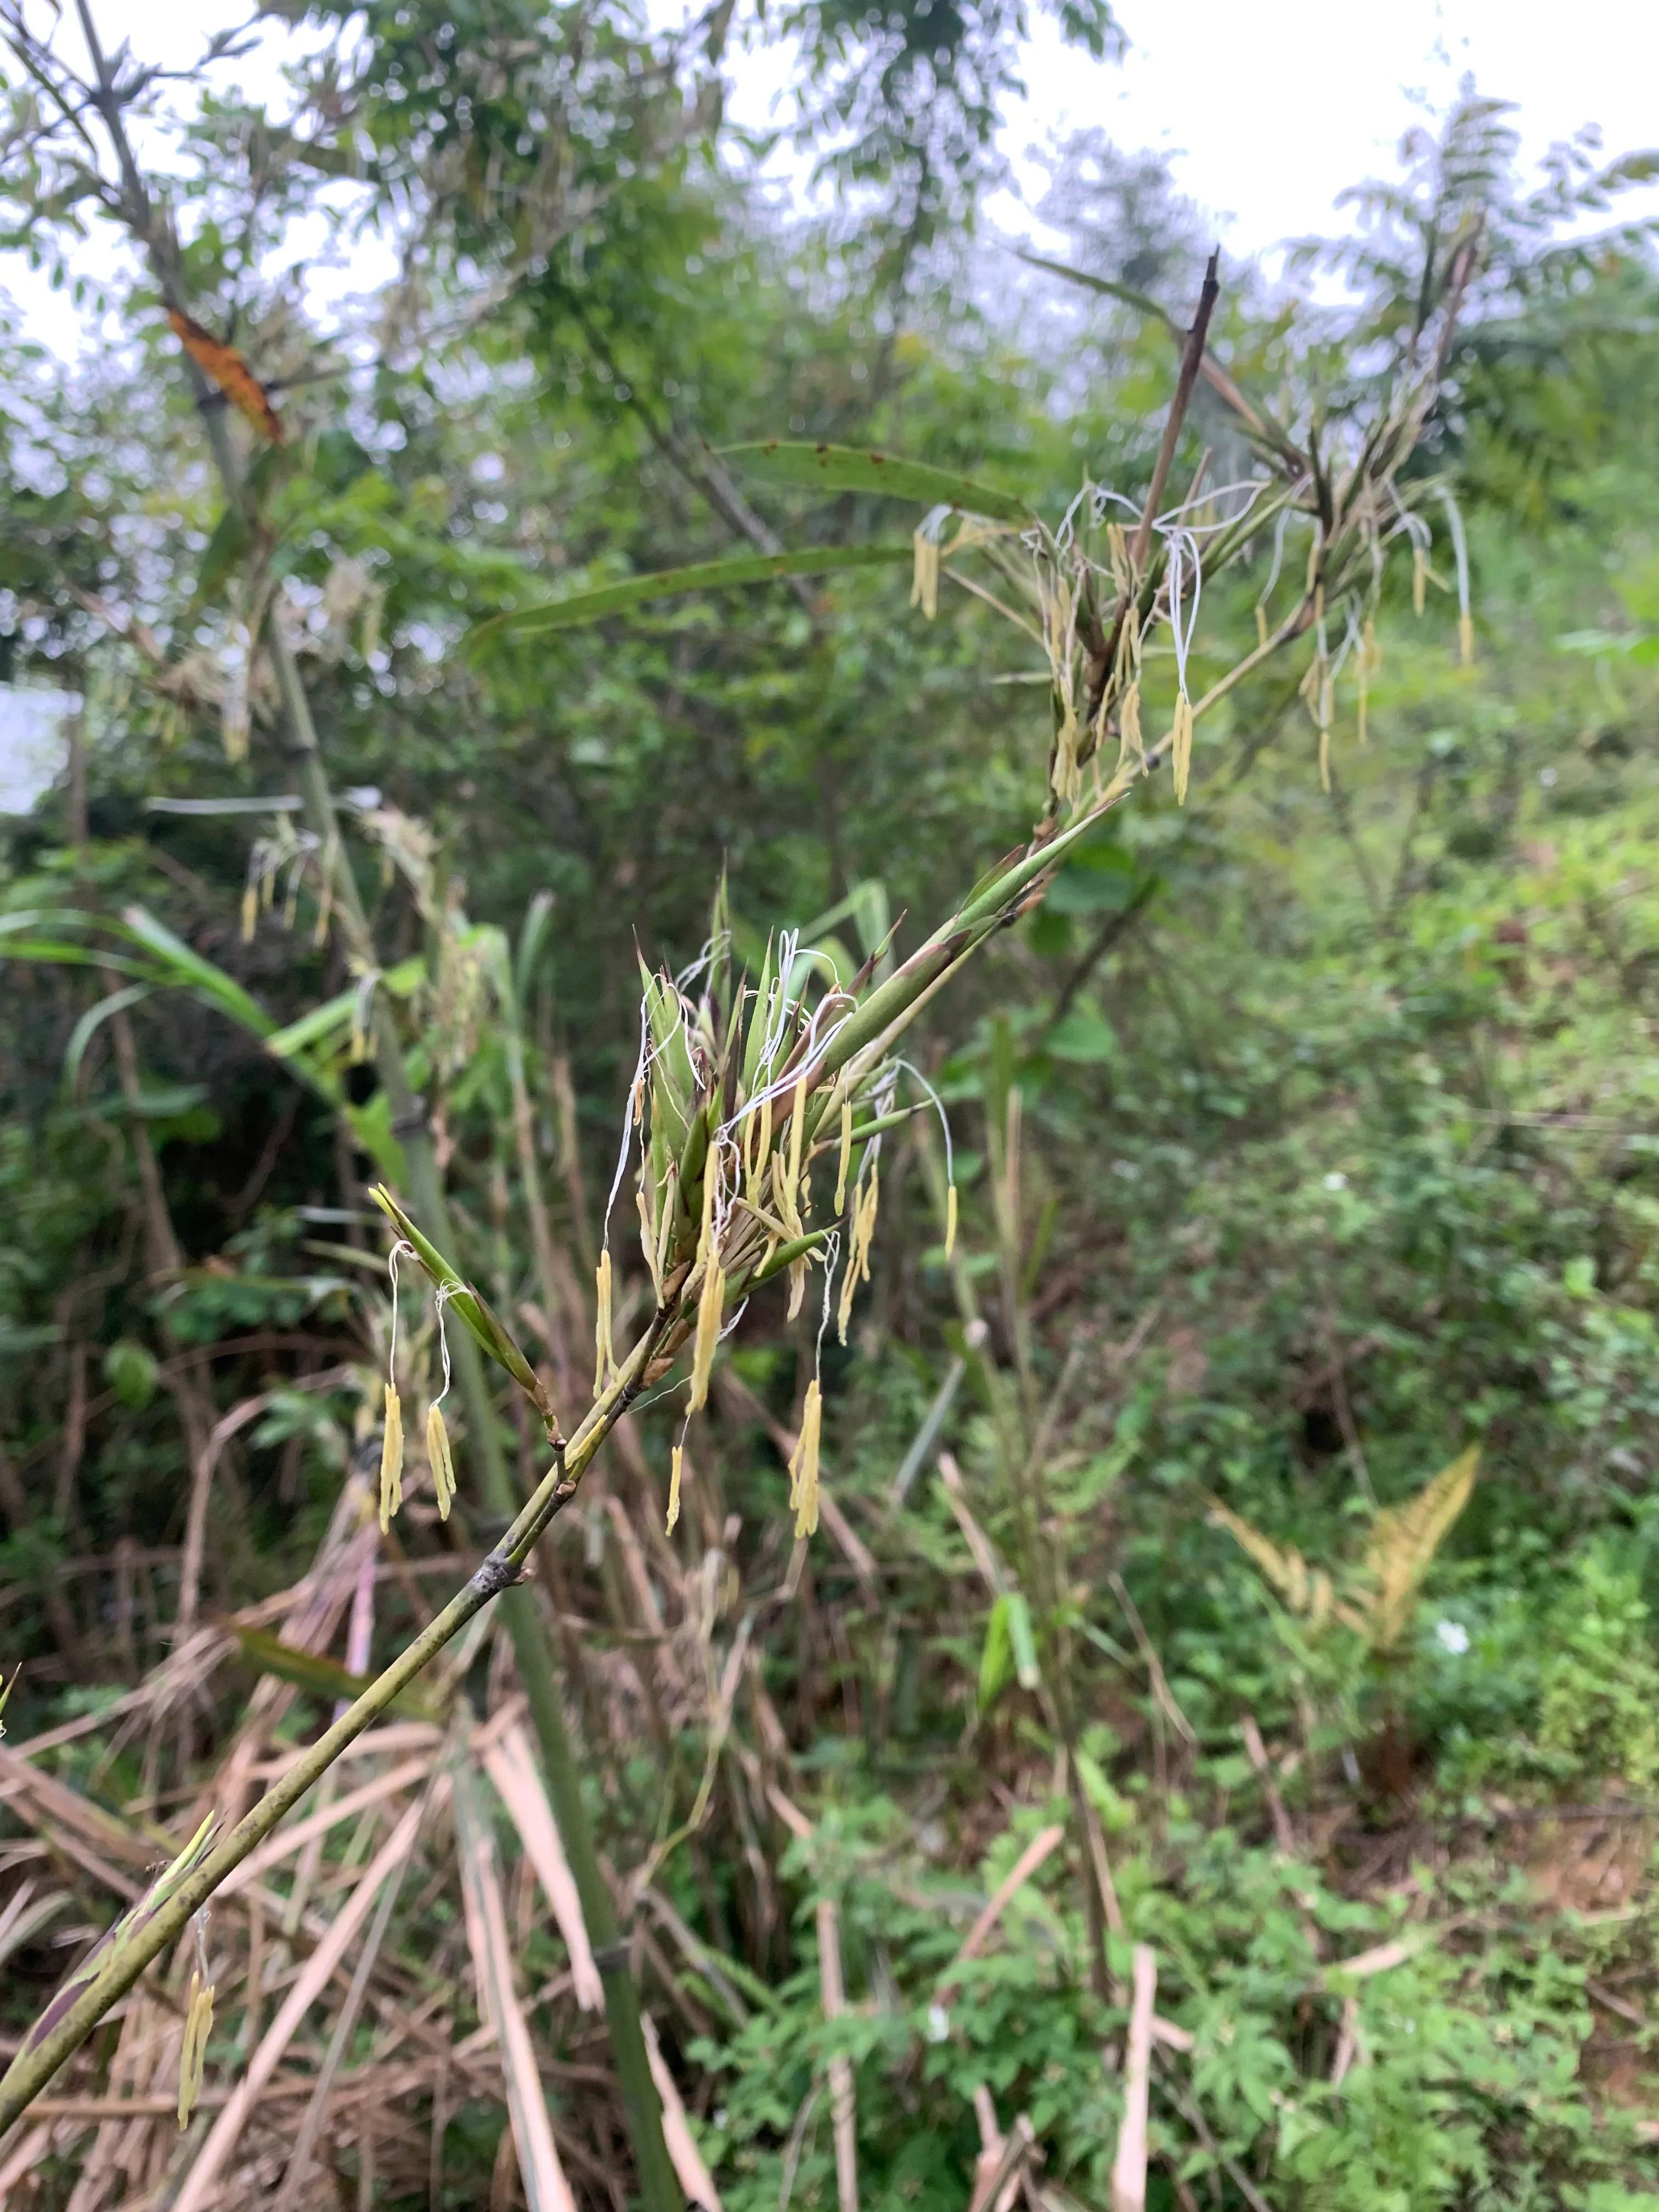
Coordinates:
[741,570]
[464,1300]
[189,966]
[1022,1641]
[309,1670]
[996,1660]
[336,1013]
[87,1028]
[1256,419]
[850,468]
[110,1947]
[1142,303]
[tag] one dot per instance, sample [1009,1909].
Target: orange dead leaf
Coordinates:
[223,366]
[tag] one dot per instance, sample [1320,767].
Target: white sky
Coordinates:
[1267,110]
[1271,110]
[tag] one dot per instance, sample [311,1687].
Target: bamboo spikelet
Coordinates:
[756,1168]
[192,2056]
[849,1283]
[1325,758]
[675,1464]
[924,588]
[857,1259]
[392,1458]
[866,1225]
[438,1458]
[1182,749]
[1130,741]
[1117,555]
[604,1358]
[712,1299]
[1261,626]
[845,1154]
[1466,640]
[250,914]
[949,1220]
[710,1305]
[797,1131]
[1420,578]
[804,1462]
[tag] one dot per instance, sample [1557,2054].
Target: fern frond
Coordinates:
[1403,1542]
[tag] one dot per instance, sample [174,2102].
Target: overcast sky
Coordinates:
[1268,112]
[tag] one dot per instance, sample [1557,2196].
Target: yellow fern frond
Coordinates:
[1285,1570]
[1403,1543]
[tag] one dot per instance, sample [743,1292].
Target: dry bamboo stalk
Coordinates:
[695,2177]
[843,2106]
[543,2178]
[511,1768]
[988,2164]
[287,1841]
[1129,2167]
[1019,1875]
[27,2153]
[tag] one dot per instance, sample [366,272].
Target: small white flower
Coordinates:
[1547,776]
[1336,1180]
[939,2023]
[1453,1636]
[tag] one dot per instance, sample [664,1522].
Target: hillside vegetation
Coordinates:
[1137,1684]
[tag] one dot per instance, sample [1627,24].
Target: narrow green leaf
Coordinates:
[87,1028]
[742,568]
[462,1298]
[308,1670]
[1140,301]
[1022,1641]
[336,1013]
[189,966]
[849,468]
[995,1664]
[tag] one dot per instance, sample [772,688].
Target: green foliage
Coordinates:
[1302,1135]
[1599,1681]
